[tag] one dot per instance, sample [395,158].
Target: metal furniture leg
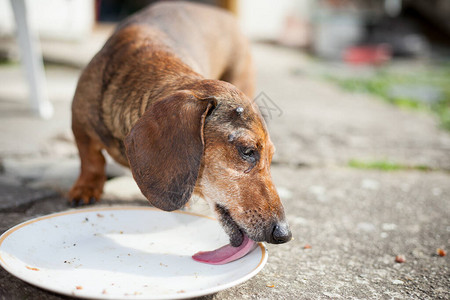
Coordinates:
[32,61]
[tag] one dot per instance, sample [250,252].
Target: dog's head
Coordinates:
[210,139]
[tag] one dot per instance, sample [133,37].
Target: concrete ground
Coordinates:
[348,224]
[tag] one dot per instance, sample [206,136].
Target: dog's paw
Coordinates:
[84,195]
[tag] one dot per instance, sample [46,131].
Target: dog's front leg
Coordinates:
[89,186]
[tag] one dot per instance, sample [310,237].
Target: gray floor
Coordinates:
[356,221]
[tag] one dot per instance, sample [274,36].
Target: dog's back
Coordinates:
[150,55]
[206,38]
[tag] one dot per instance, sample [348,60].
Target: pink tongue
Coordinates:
[226,253]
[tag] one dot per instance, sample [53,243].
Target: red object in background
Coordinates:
[367,55]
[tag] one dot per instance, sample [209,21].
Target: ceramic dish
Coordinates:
[123,253]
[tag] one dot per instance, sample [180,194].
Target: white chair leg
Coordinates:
[31,57]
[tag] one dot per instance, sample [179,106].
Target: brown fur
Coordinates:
[153,99]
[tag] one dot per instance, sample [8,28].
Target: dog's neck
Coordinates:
[121,118]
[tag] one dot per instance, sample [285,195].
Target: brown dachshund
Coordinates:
[153,100]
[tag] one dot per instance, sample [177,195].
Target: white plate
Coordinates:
[123,252]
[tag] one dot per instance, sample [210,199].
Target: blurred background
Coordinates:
[356,94]
[360,45]
[397,51]
[363,84]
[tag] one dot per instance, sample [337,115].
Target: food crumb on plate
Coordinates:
[79,287]
[32,269]
[100,215]
[307,246]
[104,292]
[181,291]
[134,294]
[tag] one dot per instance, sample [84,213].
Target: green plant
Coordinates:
[383,80]
[384,165]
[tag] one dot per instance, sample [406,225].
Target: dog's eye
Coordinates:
[248,154]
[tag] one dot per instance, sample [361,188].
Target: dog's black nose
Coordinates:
[280,234]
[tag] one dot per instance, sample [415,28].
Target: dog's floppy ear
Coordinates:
[165,148]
